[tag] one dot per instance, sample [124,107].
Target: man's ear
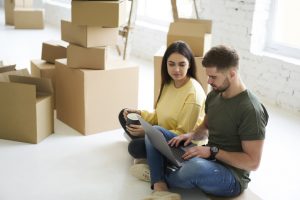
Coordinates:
[232,72]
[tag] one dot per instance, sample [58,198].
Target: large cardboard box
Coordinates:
[26,109]
[43,69]
[52,50]
[88,36]
[201,73]
[90,100]
[29,18]
[194,32]
[99,13]
[86,58]
[9,6]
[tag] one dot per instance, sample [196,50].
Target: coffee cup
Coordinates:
[132,119]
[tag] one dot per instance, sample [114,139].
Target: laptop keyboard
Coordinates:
[178,152]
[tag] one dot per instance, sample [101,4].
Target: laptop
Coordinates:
[173,154]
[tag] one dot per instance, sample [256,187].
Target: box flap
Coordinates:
[4,76]
[57,43]
[205,24]
[7,68]
[43,85]
[194,28]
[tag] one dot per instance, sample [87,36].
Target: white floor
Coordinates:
[69,166]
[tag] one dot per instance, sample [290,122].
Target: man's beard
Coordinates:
[224,86]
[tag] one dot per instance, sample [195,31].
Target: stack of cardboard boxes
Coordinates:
[26,106]
[45,67]
[92,88]
[22,15]
[197,34]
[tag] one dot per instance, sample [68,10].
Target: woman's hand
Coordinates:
[186,138]
[129,110]
[135,130]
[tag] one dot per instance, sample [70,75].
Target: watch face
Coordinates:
[214,149]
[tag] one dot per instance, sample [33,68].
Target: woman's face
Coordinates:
[178,66]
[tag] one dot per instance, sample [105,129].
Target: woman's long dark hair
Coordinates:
[183,49]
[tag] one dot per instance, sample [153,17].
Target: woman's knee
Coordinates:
[137,149]
[121,115]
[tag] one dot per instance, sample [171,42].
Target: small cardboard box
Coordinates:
[26,109]
[196,33]
[201,73]
[88,36]
[9,6]
[24,3]
[52,50]
[29,18]
[90,100]
[99,13]
[43,69]
[86,58]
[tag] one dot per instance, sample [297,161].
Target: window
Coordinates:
[283,32]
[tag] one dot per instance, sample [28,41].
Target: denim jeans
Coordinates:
[209,176]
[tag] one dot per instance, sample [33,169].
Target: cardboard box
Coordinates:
[52,50]
[9,6]
[201,73]
[88,36]
[43,69]
[6,67]
[29,18]
[23,3]
[194,32]
[26,109]
[86,58]
[99,13]
[4,76]
[90,100]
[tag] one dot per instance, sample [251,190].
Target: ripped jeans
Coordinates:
[209,176]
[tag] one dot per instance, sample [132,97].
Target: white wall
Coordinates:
[273,80]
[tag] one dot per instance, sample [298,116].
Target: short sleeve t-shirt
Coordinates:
[233,120]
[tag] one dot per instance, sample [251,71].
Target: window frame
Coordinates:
[273,46]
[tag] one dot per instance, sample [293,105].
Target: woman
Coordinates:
[180,104]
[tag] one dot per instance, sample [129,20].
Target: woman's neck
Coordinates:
[180,83]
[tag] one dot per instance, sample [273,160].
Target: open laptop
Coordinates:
[173,154]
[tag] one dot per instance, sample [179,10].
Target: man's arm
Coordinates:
[201,132]
[248,160]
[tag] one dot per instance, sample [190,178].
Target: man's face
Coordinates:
[219,81]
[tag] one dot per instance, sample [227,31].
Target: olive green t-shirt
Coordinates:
[233,120]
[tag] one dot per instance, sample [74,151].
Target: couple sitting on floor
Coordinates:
[230,117]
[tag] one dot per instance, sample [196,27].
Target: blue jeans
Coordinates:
[209,176]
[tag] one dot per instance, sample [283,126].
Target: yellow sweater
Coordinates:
[179,109]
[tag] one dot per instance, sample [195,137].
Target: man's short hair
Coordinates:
[221,57]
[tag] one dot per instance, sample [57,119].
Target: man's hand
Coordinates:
[186,138]
[197,151]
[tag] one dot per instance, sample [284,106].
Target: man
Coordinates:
[234,123]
